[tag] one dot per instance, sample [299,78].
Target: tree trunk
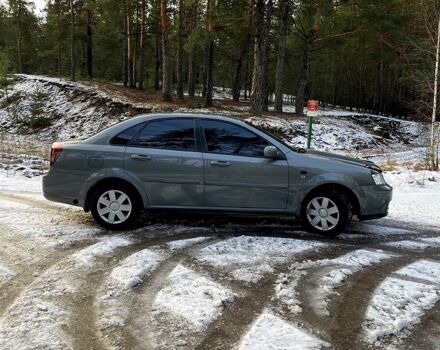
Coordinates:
[236,85]
[180,51]
[434,140]
[142,47]
[19,38]
[191,74]
[209,75]
[191,68]
[267,26]
[19,53]
[89,50]
[210,66]
[157,64]
[302,80]
[72,41]
[129,47]
[135,35]
[279,79]
[260,57]
[166,69]
[125,55]
[204,73]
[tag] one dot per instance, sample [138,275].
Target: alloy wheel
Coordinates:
[114,207]
[322,213]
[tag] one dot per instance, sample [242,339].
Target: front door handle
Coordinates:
[219,163]
[140,157]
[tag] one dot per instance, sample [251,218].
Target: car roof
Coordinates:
[145,117]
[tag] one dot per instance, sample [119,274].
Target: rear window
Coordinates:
[124,137]
[175,134]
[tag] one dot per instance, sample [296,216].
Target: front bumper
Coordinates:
[374,201]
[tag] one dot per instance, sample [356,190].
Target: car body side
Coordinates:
[83,165]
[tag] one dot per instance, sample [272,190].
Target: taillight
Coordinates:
[55,152]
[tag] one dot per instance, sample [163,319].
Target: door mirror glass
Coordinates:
[271,152]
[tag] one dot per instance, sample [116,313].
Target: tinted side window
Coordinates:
[228,138]
[124,137]
[175,134]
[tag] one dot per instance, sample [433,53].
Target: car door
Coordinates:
[237,175]
[164,156]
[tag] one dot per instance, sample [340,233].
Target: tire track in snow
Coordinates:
[31,244]
[401,301]
[426,334]
[39,316]
[348,308]
[132,329]
[26,274]
[227,331]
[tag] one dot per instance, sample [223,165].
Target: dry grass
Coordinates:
[14,145]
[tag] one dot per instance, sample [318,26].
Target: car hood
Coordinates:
[344,159]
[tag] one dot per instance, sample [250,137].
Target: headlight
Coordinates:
[378,179]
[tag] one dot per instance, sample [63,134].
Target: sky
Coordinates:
[39,5]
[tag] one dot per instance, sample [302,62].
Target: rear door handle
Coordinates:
[140,157]
[219,163]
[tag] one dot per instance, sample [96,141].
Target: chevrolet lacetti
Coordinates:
[210,163]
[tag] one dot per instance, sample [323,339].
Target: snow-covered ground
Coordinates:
[399,303]
[330,274]
[270,332]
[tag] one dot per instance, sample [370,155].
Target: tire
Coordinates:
[115,207]
[327,214]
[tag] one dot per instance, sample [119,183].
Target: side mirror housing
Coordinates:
[272,152]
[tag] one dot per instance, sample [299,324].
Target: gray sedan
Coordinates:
[210,163]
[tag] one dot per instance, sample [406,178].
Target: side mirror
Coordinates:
[271,152]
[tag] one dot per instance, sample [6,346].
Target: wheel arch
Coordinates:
[336,187]
[111,181]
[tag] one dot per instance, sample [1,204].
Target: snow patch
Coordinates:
[396,306]
[185,243]
[269,332]
[193,297]
[248,258]
[426,270]
[433,241]
[5,275]
[88,255]
[133,270]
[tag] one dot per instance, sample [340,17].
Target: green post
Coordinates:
[309,132]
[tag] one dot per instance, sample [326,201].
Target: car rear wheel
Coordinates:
[326,213]
[115,207]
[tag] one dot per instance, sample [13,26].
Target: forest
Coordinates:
[370,55]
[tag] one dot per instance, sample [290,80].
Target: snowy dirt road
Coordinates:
[208,282]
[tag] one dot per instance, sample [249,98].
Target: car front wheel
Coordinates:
[326,213]
[114,207]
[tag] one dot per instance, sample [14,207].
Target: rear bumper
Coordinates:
[55,191]
[374,201]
